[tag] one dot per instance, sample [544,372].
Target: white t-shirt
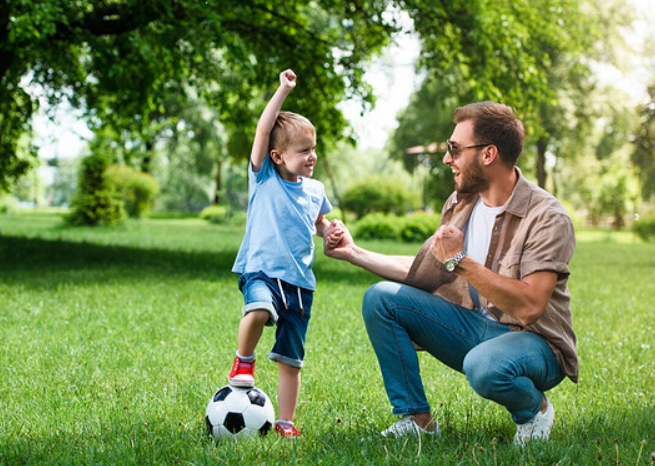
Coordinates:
[478,236]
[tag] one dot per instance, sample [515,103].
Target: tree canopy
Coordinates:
[550,84]
[121,60]
[643,156]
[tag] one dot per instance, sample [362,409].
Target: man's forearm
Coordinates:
[393,268]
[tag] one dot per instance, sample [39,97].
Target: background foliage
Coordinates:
[174,87]
[97,201]
[377,194]
[137,190]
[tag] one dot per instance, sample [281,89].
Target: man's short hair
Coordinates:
[496,124]
[287,126]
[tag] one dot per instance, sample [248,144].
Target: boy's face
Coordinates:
[298,159]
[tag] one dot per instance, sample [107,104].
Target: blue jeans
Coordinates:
[512,368]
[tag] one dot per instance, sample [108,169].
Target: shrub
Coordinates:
[238,219]
[335,214]
[577,219]
[137,189]
[7,204]
[377,226]
[377,195]
[645,227]
[96,201]
[418,227]
[214,214]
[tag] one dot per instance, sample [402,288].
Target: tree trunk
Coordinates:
[330,175]
[219,182]
[541,162]
[147,158]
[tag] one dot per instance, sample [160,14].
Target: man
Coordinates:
[486,294]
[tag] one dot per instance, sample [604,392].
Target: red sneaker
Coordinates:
[286,429]
[242,374]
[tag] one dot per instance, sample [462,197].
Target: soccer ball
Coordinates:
[239,413]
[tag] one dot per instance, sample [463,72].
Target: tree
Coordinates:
[600,179]
[571,113]
[119,59]
[426,120]
[195,153]
[499,51]
[643,156]
[96,201]
[534,55]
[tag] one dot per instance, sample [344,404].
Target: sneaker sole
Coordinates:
[241,384]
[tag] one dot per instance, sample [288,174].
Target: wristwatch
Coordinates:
[452,263]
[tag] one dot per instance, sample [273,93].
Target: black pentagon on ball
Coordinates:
[210,427]
[256,397]
[222,393]
[234,422]
[263,430]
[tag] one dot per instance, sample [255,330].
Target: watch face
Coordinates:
[450,265]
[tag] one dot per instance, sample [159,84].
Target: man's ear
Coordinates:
[490,154]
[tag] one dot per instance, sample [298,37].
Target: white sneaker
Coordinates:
[406,426]
[538,428]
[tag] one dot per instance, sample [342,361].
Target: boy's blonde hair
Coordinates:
[287,126]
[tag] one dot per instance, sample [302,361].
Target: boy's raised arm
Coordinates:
[268,117]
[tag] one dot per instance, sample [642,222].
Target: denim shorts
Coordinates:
[290,309]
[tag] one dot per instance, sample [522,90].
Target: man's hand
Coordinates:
[448,241]
[333,234]
[337,241]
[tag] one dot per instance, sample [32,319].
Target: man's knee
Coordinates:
[374,298]
[481,372]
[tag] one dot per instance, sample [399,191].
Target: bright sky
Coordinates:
[393,79]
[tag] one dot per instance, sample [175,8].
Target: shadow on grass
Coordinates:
[21,257]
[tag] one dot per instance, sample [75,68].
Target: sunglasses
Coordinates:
[455,151]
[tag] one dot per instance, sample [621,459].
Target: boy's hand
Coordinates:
[288,79]
[333,234]
[337,242]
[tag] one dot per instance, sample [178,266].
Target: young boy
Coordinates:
[285,209]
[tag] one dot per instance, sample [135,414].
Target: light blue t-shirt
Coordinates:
[280,226]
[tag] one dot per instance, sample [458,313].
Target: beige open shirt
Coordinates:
[531,233]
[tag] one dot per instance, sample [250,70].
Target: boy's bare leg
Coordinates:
[287,391]
[250,331]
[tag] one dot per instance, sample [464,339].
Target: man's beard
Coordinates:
[473,180]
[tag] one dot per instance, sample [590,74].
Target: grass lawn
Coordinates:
[113,340]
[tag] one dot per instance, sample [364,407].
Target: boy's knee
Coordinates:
[258,316]
[260,312]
